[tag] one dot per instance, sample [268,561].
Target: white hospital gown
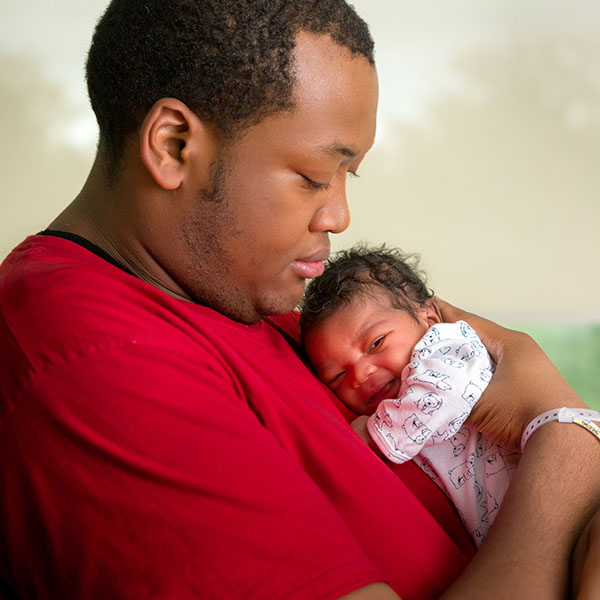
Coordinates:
[448,372]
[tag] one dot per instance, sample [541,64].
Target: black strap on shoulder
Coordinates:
[81,241]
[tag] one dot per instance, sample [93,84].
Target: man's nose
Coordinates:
[334,215]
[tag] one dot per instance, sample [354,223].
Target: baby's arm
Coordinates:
[449,369]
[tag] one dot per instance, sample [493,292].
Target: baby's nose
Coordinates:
[362,372]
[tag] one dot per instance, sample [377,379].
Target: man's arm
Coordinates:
[585,575]
[556,488]
[554,492]
[374,591]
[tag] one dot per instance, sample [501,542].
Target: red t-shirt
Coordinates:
[152,448]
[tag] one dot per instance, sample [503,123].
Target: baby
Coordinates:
[374,335]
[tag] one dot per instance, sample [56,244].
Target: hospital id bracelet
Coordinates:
[582,417]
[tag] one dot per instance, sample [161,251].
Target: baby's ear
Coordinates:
[432,313]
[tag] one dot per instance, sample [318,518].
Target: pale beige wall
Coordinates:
[486,162]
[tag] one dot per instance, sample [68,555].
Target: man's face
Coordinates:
[361,350]
[251,244]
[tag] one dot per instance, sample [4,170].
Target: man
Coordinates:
[161,435]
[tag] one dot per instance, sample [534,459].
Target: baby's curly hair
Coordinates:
[228,60]
[361,271]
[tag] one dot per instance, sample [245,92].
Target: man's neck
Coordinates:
[108,215]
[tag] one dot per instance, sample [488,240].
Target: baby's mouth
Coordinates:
[389,390]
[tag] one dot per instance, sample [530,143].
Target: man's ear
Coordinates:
[169,136]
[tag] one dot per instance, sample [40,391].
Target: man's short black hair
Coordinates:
[361,271]
[228,60]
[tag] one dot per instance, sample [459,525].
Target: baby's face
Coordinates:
[361,350]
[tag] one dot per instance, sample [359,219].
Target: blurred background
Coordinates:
[486,163]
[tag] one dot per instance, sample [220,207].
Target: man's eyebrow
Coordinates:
[335,149]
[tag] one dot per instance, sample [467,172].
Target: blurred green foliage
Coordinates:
[575,350]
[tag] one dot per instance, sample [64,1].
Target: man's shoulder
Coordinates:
[50,285]
[58,299]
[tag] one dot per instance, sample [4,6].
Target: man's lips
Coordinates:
[312,266]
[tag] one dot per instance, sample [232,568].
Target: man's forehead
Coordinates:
[335,97]
[319,60]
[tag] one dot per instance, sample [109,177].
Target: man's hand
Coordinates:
[525,384]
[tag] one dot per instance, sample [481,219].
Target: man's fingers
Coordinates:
[492,335]
[450,313]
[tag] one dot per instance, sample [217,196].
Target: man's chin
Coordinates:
[251,309]
[279,305]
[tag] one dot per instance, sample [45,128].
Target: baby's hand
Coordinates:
[360,426]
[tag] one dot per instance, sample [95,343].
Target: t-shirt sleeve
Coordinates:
[136,474]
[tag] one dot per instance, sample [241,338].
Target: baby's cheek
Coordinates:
[403,358]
